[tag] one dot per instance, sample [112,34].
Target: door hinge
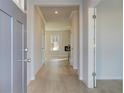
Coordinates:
[94,16]
[93,74]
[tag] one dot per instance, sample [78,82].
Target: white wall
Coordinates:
[93,3]
[56,2]
[35,26]
[30,40]
[38,28]
[109,39]
[85,41]
[75,39]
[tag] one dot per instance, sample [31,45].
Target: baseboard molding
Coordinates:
[109,77]
[32,78]
[28,83]
[39,69]
[86,83]
[80,78]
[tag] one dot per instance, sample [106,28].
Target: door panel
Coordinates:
[17,57]
[13,36]
[24,68]
[5,52]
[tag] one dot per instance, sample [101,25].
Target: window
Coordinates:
[20,4]
[55,42]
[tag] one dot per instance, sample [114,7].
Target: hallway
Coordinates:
[57,76]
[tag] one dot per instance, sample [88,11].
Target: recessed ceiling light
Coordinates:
[56,12]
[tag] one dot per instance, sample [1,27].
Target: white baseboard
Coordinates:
[32,78]
[109,77]
[28,82]
[80,78]
[37,70]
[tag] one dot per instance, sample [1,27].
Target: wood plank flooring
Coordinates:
[59,77]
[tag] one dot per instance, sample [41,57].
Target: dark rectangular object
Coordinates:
[67,48]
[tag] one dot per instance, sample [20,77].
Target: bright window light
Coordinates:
[56,12]
[55,43]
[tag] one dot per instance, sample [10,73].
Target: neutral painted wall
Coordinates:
[109,39]
[29,39]
[56,2]
[75,39]
[93,3]
[38,28]
[64,38]
[35,27]
[85,42]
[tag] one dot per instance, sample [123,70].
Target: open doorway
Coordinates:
[56,33]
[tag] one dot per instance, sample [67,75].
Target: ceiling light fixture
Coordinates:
[56,12]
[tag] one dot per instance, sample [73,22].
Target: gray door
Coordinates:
[12,46]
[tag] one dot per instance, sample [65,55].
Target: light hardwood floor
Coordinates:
[59,77]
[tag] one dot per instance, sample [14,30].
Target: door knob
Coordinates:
[26,60]
[26,50]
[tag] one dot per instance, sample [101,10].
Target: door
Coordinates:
[12,48]
[92,48]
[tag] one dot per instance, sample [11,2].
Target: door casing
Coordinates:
[91,48]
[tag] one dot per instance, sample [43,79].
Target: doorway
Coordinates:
[61,28]
[60,4]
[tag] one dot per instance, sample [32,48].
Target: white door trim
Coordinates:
[91,48]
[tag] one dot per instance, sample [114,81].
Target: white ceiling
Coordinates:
[62,16]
